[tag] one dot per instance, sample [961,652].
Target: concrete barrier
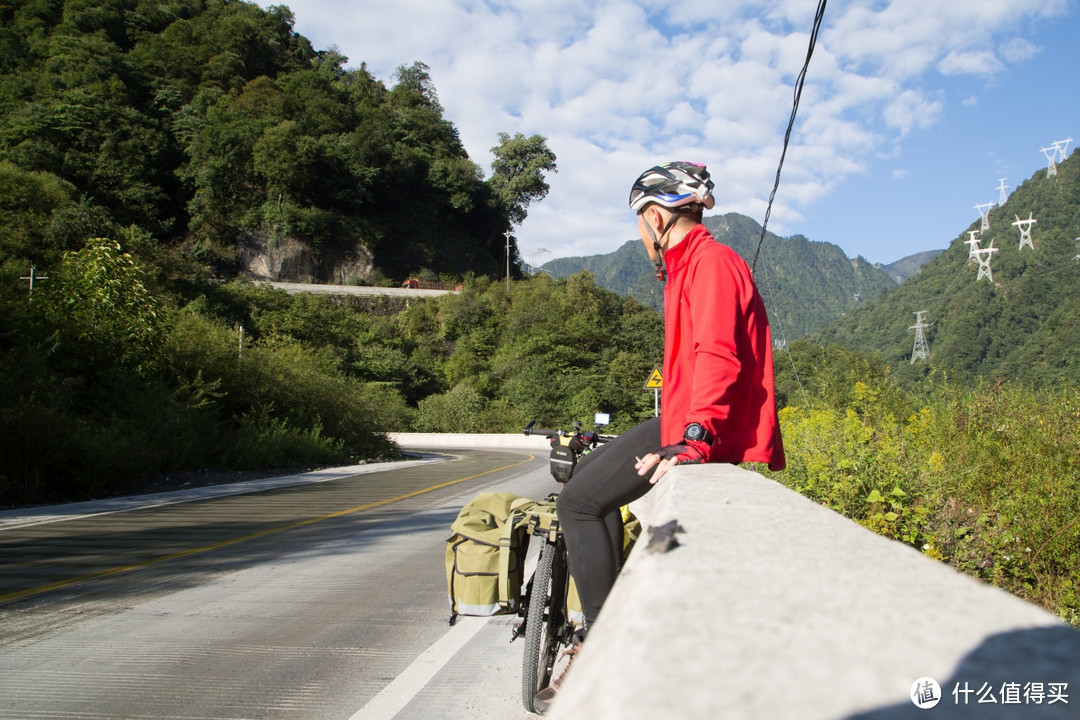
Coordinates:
[766,605]
[509,441]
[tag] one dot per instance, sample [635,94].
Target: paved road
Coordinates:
[324,289]
[320,600]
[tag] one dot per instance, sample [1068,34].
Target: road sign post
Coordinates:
[655,383]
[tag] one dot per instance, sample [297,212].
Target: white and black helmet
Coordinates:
[673,185]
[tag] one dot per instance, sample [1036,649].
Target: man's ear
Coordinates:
[654,218]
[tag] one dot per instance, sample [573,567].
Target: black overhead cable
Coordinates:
[791,122]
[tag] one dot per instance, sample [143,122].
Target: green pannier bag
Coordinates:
[485,556]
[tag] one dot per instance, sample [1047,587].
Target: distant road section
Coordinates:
[293,288]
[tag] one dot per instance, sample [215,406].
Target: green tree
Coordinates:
[103,309]
[517,173]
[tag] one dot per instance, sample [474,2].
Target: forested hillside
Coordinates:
[221,136]
[149,151]
[1017,322]
[806,285]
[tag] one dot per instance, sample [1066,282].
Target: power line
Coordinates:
[791,123]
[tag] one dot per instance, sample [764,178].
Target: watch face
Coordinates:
[694,431]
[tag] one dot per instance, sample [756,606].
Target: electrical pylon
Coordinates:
[1025,230]
[973,245]
[984,257]
[921,351]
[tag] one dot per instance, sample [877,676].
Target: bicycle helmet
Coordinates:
[673,185]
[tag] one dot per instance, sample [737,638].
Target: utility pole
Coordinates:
[921,351]
[33,277]
[1025,230]
[508,236]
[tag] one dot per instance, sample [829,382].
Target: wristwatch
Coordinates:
[698,433]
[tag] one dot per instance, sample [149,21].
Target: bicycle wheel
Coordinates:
[544,621]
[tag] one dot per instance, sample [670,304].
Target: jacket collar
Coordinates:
[676,258]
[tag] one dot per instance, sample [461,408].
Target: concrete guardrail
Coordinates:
[509,441]
[764,605]
[769,606]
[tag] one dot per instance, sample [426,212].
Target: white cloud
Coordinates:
[1017,50]
[980,62]
[619,85]
[910,110]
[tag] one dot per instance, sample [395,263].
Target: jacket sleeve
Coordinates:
[714,299]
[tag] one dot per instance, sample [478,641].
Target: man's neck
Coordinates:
[678,232]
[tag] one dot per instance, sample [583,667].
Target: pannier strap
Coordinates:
[506,600]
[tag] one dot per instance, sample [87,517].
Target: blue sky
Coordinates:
[912,110]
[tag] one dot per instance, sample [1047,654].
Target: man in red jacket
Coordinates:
[718,399]
[718,396]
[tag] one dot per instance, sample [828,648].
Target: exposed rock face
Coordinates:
[288,259]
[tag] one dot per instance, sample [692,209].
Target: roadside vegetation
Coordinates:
[983,477]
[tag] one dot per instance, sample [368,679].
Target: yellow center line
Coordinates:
[253,536]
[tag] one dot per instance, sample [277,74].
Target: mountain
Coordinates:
[905,267]
[806,285]
[1016,320]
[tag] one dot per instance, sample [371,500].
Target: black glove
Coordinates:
[690,452]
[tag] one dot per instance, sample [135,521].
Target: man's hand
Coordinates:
[668,457]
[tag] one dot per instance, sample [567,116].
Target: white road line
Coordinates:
[412,680]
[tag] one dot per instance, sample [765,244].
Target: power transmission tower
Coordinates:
[1025,230]
[1002,187]
[1055,154]
[1077,258]
[973,245]
[1051,155]
[984,257]
[984,211]
[536,258]
[921,351]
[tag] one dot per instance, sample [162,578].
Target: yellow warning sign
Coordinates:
[655,381]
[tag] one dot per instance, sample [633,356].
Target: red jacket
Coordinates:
[718,367]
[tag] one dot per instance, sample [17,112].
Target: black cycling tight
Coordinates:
[603,481]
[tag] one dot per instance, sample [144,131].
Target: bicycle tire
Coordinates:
[543,622]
